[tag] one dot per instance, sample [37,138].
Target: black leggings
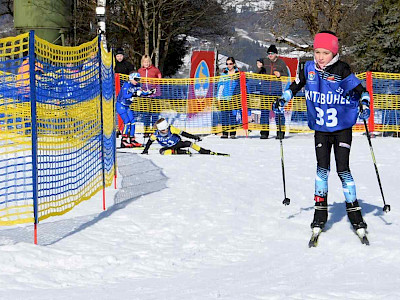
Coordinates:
[179,145]
[341,142]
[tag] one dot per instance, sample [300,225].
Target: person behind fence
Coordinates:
[334,98]
[227,87]
[277,67]
[122,65]
[169,138]
[260,66]
[264,118]
[147,70]
[129,90]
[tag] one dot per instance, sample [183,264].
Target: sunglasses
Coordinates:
[229,64]
[271,53]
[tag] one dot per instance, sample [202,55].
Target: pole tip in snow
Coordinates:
[286,201]
[386,208]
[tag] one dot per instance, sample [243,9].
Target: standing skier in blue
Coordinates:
[333,97]
[129,90]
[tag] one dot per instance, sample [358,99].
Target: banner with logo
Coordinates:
[201,91]
[202,67]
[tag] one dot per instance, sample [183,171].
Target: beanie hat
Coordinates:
[261,60]
[119,51]
[272,49]
[326,41]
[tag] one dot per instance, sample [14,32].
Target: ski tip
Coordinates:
[362,234]
[219,154]
[365,241]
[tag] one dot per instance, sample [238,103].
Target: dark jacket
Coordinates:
[123,67]
[261,70]
[278,65]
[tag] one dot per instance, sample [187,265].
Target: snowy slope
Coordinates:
[206,227]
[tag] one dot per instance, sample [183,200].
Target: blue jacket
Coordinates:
[128,91]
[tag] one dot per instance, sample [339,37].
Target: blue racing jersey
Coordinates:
[167,140]
[331,104]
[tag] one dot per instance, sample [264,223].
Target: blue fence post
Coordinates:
[115,120]
[102,122]
[32,89]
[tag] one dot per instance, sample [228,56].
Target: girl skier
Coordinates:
[333,97]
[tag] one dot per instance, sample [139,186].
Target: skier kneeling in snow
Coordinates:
[168,137]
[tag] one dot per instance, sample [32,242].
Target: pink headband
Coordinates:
[327,41]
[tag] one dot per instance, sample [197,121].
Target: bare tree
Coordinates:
[6,7]
[312,16]
[149,26]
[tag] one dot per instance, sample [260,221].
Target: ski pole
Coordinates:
[285,201]
[386,207]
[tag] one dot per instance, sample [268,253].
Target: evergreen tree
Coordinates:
[377,48]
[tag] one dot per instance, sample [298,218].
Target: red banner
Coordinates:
[292,64]
[201,91]
[209,59]
[202,67]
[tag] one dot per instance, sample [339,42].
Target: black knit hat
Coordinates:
[272,49]
[119,51]
[261,60]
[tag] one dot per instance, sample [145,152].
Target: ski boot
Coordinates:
[355,217]
[357,221]
[134,143]
[125,142]
[320,212]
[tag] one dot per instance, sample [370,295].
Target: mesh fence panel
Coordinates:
[215,104]
[69,99]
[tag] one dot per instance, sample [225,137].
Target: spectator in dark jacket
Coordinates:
[260,66]
[264,120]
[122,65]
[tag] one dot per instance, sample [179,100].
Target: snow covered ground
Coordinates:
[208,227]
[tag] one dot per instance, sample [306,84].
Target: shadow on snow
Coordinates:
[337,211]
[140,177]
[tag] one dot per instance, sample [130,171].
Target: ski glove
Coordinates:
[364,106]
[279,105]
[197,138]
